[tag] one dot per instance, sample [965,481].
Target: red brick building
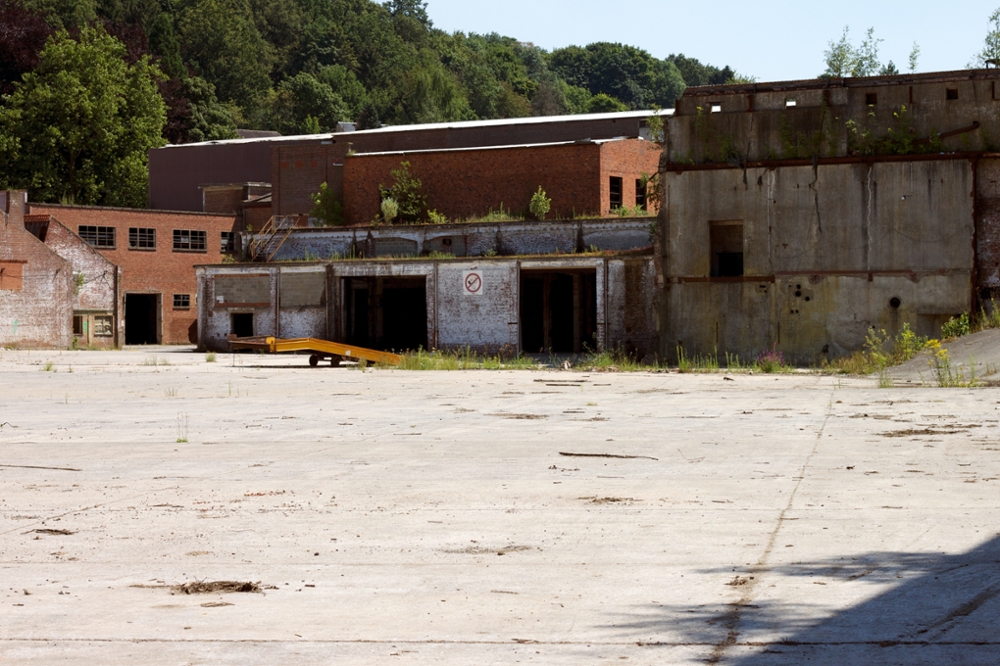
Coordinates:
[156,252]
[583,178]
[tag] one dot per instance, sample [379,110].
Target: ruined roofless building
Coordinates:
[797,215]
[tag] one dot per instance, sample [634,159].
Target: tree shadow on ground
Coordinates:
[940,609]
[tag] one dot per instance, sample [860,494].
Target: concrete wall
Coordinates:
[489,322]
[36,309]
[825,252]
[756,122]
[158,271]
[508,238]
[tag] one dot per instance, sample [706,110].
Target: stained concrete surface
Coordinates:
[413,518]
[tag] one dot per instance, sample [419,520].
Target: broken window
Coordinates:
[102,237]
[103,326]
[640,194]
[616,192]
[727,248]
[190,241]
[182,301]
[716,108]
[952,93]
[141,239]
[790,102]
[227,243]
[78,325]
[871,99]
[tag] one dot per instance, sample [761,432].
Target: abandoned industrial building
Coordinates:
[790,216]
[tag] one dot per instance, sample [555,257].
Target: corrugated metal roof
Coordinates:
[467,124]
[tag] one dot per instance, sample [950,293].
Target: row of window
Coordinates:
[617,198]
[184,240]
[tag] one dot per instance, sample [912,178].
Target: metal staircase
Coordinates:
[265,244]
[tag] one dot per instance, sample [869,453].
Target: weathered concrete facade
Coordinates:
[827,253]
[562,303]
[470,239]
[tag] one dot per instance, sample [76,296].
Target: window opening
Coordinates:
[141,239]
[616,192]
[190,241]
[103,237]
[182,301]
[716,108]
[952,93]
[727,248]
[789,103]
[871,99]
[227,242]
[78,325]
[640,194]
[103,326]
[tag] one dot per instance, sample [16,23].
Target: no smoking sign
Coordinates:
[472,283]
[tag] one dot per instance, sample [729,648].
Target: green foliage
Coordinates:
[990,53]
[210,120]
[956,327]
[880,352]
[79,126]
[843,58]
[696,73]
[390,209]
[435,217]
[327,207]
[407,191]
[540,204]
[602,103]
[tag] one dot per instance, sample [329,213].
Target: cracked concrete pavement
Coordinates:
[419,517]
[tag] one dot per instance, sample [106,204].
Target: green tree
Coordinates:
[990,54]
[843,58]
[83,122]
[601,103]
[407,192]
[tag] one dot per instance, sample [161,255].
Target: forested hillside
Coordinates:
[295,66]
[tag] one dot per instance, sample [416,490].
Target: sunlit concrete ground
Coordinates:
[416,518]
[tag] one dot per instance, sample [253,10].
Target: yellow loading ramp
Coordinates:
[321,350]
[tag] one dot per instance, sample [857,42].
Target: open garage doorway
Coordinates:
[558,311]
[142,319]
[386,313]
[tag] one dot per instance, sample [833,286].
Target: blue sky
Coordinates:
[770,40]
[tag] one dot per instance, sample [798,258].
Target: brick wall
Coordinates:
[37,310]
[628,160]
[157,271]
[468,183]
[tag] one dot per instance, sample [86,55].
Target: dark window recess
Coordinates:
[952,93]
[98,236]
[190,241]
[227,243]
[77,324]
[141,239]
[182,301]
[616,192]
[727,249]
[142,319]
[871,99]
[243,324]
[640,194]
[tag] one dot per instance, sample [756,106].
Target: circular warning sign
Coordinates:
[473,283]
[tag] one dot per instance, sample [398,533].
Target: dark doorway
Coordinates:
[558,311]
[142,319]
[243,324]
[386,313]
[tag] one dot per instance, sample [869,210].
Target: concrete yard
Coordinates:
[412,518]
